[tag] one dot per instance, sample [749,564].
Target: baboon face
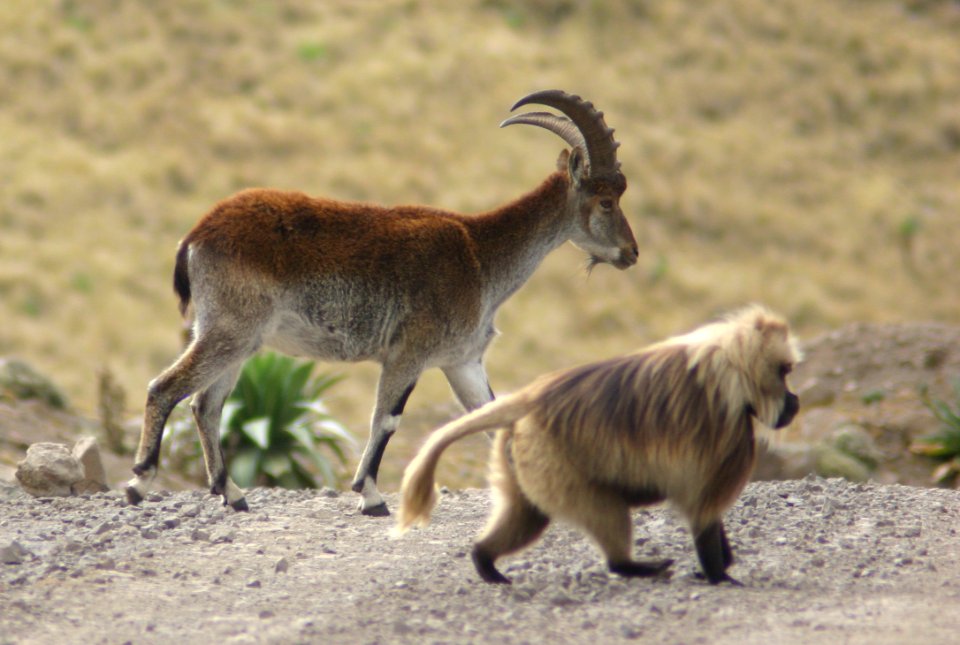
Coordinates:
[775,404]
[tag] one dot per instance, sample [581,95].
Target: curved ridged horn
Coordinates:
[585,127]
[559,125]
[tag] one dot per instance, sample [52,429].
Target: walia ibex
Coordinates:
[410,287]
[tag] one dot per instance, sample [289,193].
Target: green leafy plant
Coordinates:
[944,445]
[275,429]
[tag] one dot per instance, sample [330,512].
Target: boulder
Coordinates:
[49,470]
[87,452]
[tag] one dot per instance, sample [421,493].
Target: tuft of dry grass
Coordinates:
[803,153]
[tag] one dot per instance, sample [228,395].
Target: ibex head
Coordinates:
[595,178]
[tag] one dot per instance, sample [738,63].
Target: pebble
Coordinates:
[13,553]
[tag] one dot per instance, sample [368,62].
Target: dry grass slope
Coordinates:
[803,153]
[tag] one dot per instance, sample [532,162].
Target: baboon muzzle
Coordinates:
[791,405]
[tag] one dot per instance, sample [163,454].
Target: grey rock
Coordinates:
[87,452]
[49,470]
[832,462]
[13,553]
[857,442]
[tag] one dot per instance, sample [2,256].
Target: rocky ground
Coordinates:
[821,561]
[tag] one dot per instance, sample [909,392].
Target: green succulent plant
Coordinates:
[276,430]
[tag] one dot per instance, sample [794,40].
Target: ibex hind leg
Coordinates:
[200,365]
[207,406]
[163,394]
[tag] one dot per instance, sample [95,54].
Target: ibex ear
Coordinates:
[576,167]
[562,160]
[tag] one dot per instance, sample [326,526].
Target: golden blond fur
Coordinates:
[672,422]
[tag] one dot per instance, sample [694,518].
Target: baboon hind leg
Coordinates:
[606,517]
[514,524]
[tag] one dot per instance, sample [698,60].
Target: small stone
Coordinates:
[630,632]
[106,563]
[200,535]
[222,536]
[191,511]
[171,523]
[13,553]
[282,566]
[254,584]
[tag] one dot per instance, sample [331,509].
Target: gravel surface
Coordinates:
[822,561]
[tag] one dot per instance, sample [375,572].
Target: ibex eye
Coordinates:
[606,203]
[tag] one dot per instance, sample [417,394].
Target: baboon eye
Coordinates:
[606,204]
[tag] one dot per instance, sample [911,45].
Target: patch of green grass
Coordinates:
[311,52]
[81,282]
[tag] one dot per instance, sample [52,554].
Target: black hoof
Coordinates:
[133,495]
[240,505]
[640,569]
[380,510]
[489,573]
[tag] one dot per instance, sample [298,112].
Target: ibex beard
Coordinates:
[674,421]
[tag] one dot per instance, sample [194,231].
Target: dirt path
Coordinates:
[822,561]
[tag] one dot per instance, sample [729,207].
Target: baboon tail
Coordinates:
[417,492]
[181,277]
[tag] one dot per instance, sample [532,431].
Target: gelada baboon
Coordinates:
[674,421]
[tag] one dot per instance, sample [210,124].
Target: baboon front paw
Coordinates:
[640,569]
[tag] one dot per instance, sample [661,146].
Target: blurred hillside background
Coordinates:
[800,153]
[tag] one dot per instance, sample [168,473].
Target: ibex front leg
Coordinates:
[394,388]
